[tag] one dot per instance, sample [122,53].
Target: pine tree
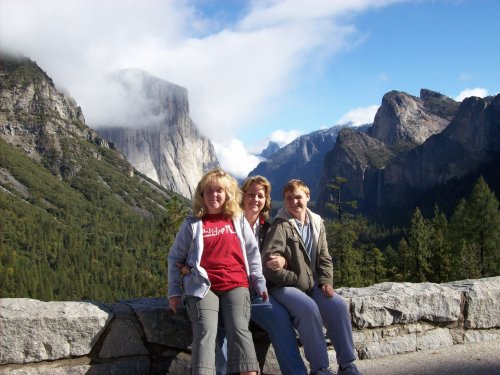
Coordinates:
[484,231]
[347,258]
[419,247]
[405,260]
[456,229]
[374,270]
[440,248]
[393,264]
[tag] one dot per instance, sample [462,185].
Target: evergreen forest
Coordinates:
[436,249]
[100,235]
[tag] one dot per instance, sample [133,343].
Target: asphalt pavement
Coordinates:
[467,359]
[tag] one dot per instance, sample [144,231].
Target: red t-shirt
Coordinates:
[222,257]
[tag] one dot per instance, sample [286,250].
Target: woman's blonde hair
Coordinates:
[218,177]
[266,210]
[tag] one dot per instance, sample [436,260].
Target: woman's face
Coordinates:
[214,197]
[254,198]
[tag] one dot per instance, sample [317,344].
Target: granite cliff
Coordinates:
[469,146]
[39,119]
[404,121]
[416,149]
[164,144]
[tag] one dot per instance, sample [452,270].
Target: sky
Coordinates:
[260,70]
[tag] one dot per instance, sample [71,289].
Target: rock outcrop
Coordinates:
[471,139]
[404,120]
[353,157]
[272,148]
[160,140]
[164,144]
[38,118]
[143,337]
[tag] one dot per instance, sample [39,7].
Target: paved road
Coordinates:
[468,359]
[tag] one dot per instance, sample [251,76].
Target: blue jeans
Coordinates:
[272,317]
[310,313]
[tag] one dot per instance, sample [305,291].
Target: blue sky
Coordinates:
[260,70]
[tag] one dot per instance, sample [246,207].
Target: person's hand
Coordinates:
[275,262]
[264,296]
[183,268]
[327,290]
[174,302]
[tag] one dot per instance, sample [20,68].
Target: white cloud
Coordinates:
[284,137]
[479,92]
[359,116]
[232,72]
[239,160]
[234,158]
[281,137]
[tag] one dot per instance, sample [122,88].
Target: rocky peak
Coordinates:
[272,148]
[404,121]
[476,126]
[382,175]
[156,101]
[162,142]
[38,118]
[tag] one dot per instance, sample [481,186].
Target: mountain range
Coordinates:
[417,147]
[418,152]
[80,221]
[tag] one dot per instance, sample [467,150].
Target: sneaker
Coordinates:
[351,370]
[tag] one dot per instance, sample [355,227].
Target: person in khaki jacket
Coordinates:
[303,281]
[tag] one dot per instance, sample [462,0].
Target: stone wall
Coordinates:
[142,337]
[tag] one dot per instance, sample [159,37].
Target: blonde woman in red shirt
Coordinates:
[219,260]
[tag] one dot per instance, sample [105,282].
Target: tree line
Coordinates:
[434,249]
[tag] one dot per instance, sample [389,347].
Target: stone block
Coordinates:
[434,338]
[122,339]
[482,298]
[161,326]
[389,346]
[481,335]
[34,331]
[386,304]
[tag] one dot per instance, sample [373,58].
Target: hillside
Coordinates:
[78,222]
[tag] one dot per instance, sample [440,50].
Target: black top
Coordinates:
[264,225]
